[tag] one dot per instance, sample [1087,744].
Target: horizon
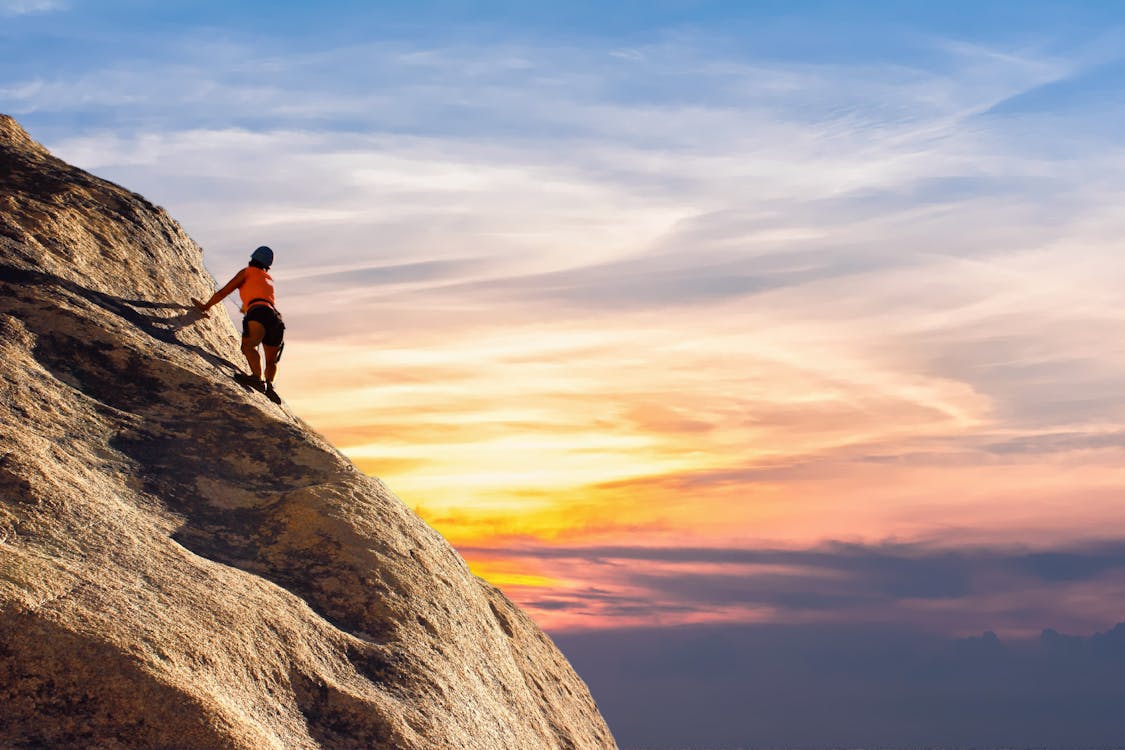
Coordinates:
[671,316]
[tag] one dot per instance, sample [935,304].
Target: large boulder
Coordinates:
[184,564]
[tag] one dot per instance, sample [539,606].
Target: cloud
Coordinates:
[28,7]
[935,588]
[725,296]
[1093,86]
[820,197]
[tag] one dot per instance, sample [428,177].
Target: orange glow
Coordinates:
[500,573]
[768,430]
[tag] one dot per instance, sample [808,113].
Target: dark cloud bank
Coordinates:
[927,587]
[869,666]
[852,686]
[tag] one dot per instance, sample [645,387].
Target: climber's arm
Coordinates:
[218,296]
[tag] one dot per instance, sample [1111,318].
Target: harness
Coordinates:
[262,300]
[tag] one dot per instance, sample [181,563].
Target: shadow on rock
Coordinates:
[158,327]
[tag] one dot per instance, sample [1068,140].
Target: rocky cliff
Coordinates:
[184,564]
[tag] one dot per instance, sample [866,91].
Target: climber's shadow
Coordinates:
[189,314]
[160,327]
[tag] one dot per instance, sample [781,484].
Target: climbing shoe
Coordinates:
[250,381]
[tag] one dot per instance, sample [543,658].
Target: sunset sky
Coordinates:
[667,313]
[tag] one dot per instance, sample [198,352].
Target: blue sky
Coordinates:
[259,45]
[671,315]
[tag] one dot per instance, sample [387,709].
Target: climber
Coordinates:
[261,324]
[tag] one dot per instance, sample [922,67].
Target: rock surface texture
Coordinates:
[184,564]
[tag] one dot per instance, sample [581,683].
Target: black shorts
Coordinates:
[270,320]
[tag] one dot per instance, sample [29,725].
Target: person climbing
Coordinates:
[261,322]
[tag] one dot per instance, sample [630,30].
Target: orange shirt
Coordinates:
[257,286]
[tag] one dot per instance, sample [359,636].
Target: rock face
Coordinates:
[184,564]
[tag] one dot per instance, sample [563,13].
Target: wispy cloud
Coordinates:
[28,7]
[731,299]
[935,588]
